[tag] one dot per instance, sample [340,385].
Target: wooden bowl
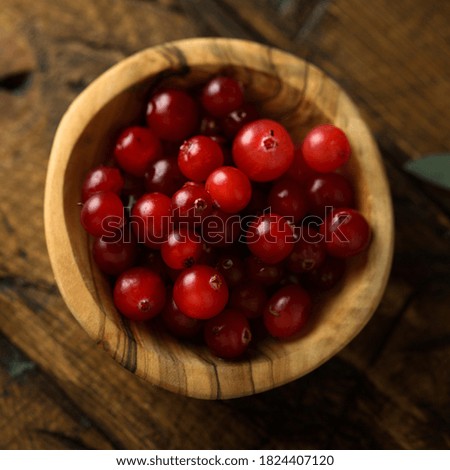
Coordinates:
[287,89]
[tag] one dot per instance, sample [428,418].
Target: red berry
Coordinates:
[151,219]
[101,179]
[262,273]
[329,189]
[299,170]
[191,204]
[114,257]
[326,148]
[288,199]
[263,150]
[327,275]
[287,311]
[308,253]
[221,229]
[164,176]
[198,157]
[139,294]
[270,238]
[222,95]
[182,249]
[172,115]
[228,334]
[179,324]
[250,298]
[232,269]
[135,149]
[200,292]
[102,214]
[346,233]
[229,188]
[233,122]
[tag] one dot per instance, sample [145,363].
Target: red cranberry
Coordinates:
[222,95]
[229,188]
[139,294]
[164,176]
[228,334]
[308,254]
[191,204]
[270,238]
[135,149]
[287,311]
[250,298]
[114,257]
[263,150]
[329,189]
[101,179]
[221,229]
[198,157]
[200,292]
[299,170]
[232,269]
[179,324]
[327,275]
[102,214]
[288,199]
[346,233]
[263,273]
[172,114]
[182,249]
[326,148]
[151,219]
[233,122]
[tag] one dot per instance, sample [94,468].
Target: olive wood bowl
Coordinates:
[286,88]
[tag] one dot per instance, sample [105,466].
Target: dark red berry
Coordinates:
[262,273]
[182,249]
[329,189]
[102,214]
[191,204]
[228,334]
[101,179]
[164,176]
[151,219]
[222,95]
[308,254]
[172,114]
[250,298]
[299,170]
[326,148]
[346,233]
[263,150]
[288,199]
[179,324]
[236,120]
[287,311]
[200,292]
[139,294]
[135,149]
[152,260]
[209,126]
[232,268]
[198,157]
[271,238]
[114,257]
[229,188]
[327,275]
[221,229]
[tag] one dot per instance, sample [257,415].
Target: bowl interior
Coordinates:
[284,88]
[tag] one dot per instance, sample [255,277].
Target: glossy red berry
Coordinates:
[346,233]
[232,269]
[222,95]
[228,334]
[151,219]
[263,273]
[191,204]
[198,157]
[271,238]
[288,199]
[102,214]
[230,189]
[200,292]
[250,298]
[114,257]
[326,148]
[299,170]
[308,253]
[329,189]
[172,114]
[164,176]
[135,149]
[139,294]
[287,311]
[179,324]
[182,249]
[327,275]
[101,179]
[236,120]
[263,150]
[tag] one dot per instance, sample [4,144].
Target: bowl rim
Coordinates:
[63,261]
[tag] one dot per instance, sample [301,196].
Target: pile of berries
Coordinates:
[213,220]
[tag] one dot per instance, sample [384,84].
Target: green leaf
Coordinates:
[434,169]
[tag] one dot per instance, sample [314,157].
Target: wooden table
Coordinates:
[390,388]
